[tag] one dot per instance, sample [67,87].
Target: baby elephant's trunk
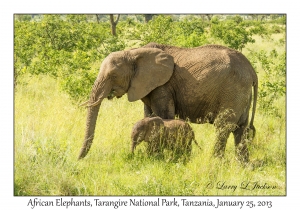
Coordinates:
[133,144]
[134,140]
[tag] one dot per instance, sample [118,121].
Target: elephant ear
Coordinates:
[155,124]
[153,68]
[156,121]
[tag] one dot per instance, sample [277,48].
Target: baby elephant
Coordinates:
[160,134]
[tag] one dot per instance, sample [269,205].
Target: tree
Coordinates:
[64,47]
[148,17]
[158,30]
[232,32]
[23,17]
[98,18]
[113,24]
[209,16]
[258,17]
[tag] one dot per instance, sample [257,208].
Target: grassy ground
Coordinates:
[49,131]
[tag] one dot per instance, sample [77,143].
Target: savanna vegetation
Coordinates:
[56,60]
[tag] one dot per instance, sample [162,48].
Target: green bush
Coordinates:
[71,47]
[259,28]
[78,85]
[24,42]
[280,20]
[272,82]
[159,30]
[189,33]
[65,47]
[276,29]
[231,32]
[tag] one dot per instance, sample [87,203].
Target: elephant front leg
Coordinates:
[153,149]
[161,103]
[154,146]
[222,135]
[147,111]
[164,110]
[189,148]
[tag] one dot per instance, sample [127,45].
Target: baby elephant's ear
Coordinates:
[156,121]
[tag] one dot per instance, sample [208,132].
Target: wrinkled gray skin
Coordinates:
[175,135]
[195,83]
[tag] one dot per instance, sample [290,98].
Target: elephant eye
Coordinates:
[113,76]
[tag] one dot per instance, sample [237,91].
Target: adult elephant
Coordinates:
[195,83]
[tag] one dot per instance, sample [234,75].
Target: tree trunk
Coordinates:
[209,16]
[113,24]
[98,18]
[148,17]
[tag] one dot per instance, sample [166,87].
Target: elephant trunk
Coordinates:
[100,91]
[90,130]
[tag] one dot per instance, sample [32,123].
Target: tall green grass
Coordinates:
[49,130]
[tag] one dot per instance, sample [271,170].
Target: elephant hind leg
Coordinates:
[240,141]
[250,131]
[241,148]
[242,135]
[224,124]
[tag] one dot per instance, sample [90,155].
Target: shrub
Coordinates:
[231,32]
[65,47]
[68,46]
[272,82]
[159,30]
[189,33]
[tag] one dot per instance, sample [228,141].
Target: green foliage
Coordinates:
[190,32]
[65,47]
[24,41]
[22,17]
[280,19]
[71,47]
[232,32]
[237,19]
[272,82]
[190,26]
[276,29]
[258,28]
[78,84]
[159,29]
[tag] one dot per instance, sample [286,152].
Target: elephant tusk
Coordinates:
[95,103]
[84,103]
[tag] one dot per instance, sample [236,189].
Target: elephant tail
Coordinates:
[197,143]
[255,87]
